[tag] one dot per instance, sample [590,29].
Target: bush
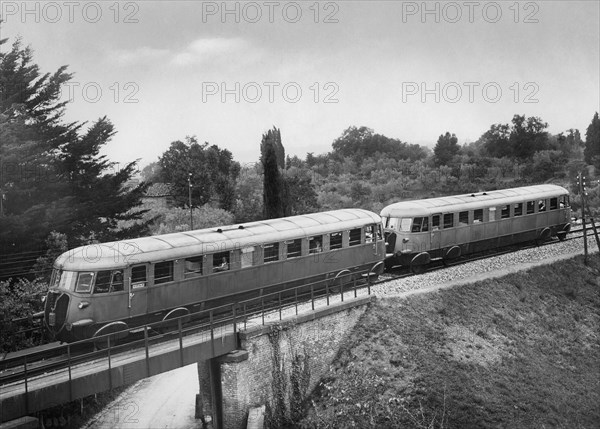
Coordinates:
[20,299]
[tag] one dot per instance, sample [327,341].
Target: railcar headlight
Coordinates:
[83,304]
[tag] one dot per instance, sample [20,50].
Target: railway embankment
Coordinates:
[516,349]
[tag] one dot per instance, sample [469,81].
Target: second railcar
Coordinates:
[445,228]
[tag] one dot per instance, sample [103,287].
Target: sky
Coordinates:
[227,72]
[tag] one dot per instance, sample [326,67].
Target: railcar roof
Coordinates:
[471,201]
[210,240]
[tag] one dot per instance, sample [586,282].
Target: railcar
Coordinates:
[445,228]
[118,286]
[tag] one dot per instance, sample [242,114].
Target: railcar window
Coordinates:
[542,206]
[109,281]
[271,252]
[379,232]
[435,222]
[505,211]
[553,203]
[220,262]
[193,266]
[518,209]
[420,224]
[448,220]
[294,248]
[416,225]
[492,214]
[463,218]
[564,201]
[370,233]
[163,272]
[478,215]
[102,282]
[248,256]
[405,224]
[335,240]
[315,244]
[355,235]
[84,282]
[138,276]
[66,280]
[530,207]
[117,281]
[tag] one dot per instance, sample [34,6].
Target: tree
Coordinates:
[521,140]
[271,150]
[213,172]
[362,143]
[152,173]
[592,142]
[528,136]
[53,178]
[445,149]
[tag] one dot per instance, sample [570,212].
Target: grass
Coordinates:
[520,351]
[76,414]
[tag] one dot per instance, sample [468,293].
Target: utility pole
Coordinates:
[580,179]
[190,201]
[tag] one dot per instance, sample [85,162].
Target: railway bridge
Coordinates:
[243,362]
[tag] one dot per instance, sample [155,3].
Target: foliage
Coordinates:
[177,219]
[212,172]
[152,173]
[54,178]
[521,140]
[445,149]
[248,205]
[361,143]
[56,244]
[273,184]
[592,142]
[19,299]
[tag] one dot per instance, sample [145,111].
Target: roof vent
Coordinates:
[219,230]
[241,227]
[485,193]
[472,195]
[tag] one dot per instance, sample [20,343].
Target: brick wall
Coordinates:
[283,362]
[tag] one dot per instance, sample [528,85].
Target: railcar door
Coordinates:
[137,284]
[436,231]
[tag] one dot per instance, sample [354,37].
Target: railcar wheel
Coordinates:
[562,236]
[337,280]
[545,234]
[418,269]
[171,320]
[117,331]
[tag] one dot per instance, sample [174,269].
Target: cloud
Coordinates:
[140,55]
[210,50]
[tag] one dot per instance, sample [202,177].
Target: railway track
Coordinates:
[39,360]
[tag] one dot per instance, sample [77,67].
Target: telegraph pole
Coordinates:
[190,201]
[580,179]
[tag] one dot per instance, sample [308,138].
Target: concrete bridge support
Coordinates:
[279,364]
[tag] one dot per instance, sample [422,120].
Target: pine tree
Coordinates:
[52,176]
[592,142]
[272,153]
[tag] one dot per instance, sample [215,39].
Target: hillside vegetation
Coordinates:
[519,351]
